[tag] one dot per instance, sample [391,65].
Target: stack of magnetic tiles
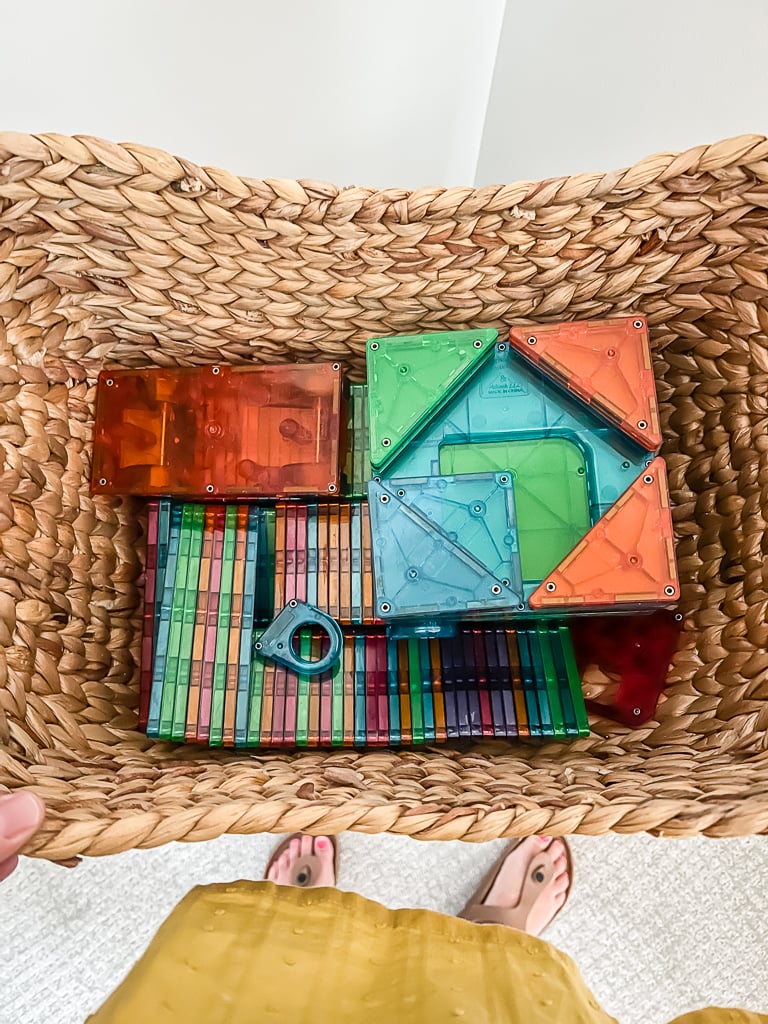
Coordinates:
[212,583]
[502,493]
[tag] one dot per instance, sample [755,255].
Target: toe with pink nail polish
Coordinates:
[305,861]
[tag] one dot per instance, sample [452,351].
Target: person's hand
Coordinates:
[21,815]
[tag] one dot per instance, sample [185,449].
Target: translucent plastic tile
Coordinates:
[219,431]
[606,363]
[639,649]
[411,377]
[550,487]
[475,511]
[508,399]
[627,558]
[357,461]
[421,571]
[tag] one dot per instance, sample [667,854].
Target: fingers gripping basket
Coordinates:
[124,256]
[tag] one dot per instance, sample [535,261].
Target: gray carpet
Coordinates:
[658,927]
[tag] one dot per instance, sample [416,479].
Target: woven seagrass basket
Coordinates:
[126,256]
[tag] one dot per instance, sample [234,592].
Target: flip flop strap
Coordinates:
[539,873]
[308,868]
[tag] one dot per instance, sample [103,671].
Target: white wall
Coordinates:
[390,92]
[352,91]
[590,85]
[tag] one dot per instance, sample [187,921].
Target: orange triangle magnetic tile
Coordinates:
[627,558]
[606,363]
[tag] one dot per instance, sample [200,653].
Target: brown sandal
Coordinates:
[310,865]
[538,874]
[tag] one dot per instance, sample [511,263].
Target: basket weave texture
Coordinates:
[122,255]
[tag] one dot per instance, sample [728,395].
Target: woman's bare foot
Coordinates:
[307,861]
[507,888]
[526,888]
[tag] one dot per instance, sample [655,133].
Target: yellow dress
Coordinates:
[257,952]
